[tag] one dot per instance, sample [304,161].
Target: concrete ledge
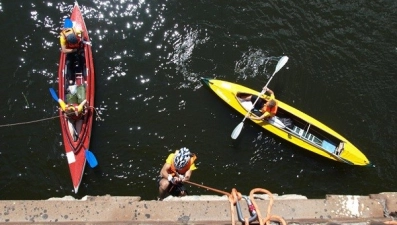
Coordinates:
[339,209]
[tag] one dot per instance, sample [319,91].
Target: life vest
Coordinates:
[77,45]
[182,171]
[272,110]
[74,112]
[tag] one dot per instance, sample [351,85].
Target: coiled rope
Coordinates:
[235,196]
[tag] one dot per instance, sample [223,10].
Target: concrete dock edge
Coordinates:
[206,209]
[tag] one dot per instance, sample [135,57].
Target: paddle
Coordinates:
[91,158]
[88,154]
[55,97]
[67,23]
[236,132]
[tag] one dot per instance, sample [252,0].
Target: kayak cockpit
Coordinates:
[299,128]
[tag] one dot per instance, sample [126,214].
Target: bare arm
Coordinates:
[182,178]
[188,174]
[263,116]
[164,171]
[268,90]
[67,50]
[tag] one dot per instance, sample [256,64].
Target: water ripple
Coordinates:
[149,57]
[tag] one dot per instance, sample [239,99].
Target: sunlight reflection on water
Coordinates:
[144,23]
[148,59]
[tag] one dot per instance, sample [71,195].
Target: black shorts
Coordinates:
[173,189]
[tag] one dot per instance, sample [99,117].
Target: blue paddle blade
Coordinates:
[91,158]
[67,23]
[53,94]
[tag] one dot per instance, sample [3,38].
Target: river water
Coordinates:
[149,56]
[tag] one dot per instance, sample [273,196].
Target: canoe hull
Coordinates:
[75,149]
[227,91]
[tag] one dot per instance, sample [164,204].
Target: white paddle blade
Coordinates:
[281,63]
[236,132]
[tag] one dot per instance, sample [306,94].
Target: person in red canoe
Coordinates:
[75,100]
[72,44]
[177,168]
[75,108]
[262,109]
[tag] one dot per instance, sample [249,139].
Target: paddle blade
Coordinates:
[281,63]
[55,97]
[236,132]
[67,23]
[53,94]
[91,158]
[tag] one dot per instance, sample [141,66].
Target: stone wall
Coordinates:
[340,209]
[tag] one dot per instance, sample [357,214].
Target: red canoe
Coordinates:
[76,136]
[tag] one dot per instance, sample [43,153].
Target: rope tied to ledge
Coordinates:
[236,196]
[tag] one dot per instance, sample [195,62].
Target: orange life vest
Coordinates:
[272,110]
[182,171]
[68,31]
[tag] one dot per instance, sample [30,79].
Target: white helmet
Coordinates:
[182,158]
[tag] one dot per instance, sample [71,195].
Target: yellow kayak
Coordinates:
[292,125]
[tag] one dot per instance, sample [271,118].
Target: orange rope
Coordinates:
[209,188]
[235,196]
[232,197]
[268,217]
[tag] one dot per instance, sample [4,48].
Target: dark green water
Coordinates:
[149,56]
